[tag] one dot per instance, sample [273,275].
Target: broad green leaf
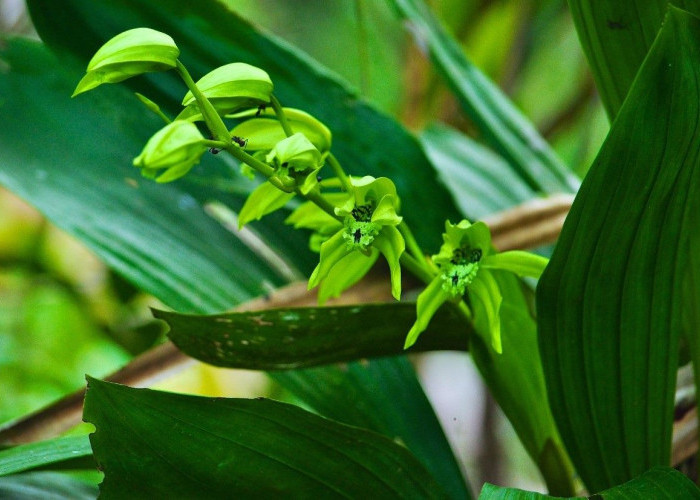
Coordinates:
[659,483]
[480,180]
[498,120]
[610,301]
[45,485]
[51,453]
[364,140]
[616,36]
[151,444]
[364,387]
[282,339]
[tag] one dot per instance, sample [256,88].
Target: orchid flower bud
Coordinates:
[175,148]
[131,53]
[230,88]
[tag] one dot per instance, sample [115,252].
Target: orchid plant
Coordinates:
[354,219]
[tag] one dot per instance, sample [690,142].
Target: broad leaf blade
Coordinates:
[609,303]
[480,181]
[364,387]
[152,443]
[659,483]
[51,453]
[500,123]
[616,36]
[282,339]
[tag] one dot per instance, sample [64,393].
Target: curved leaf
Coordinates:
[500,122]
[365,387]
[51,453]
[241,448]
[282,339]
[609,303]
[616,36]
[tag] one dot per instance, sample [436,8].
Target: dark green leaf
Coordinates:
[291,338]
[365,141]
[46,486]
[480,181]
[609,303]
[282,339]
[364,388]
[150,444]
[498,120]
[659,483]
[616,36]
[60,452]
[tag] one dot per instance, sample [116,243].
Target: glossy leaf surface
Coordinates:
[44,454]
[610,302]
[278,339]
[240,448]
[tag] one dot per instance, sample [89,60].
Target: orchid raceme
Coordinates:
[369,228]
[131,53]
[175,149]
[464,265]
[297,158]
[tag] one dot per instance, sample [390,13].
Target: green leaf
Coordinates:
[209,35]
[498,120]
[364,388]
[616,36]
[44,454]
[659,483]
[481,181]
[240,448]
[293,338]
[45,485]
[609,303]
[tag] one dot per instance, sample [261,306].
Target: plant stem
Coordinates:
[281,116]
[216,125]
[416,267]
[339,173]
[411,243]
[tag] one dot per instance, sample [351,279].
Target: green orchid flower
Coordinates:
[131,53]
[229,88]
[465,264]
[295,161]
[174,149]
[369,228]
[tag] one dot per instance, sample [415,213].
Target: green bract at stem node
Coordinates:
[369,228]
[464,264]
[131,53]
